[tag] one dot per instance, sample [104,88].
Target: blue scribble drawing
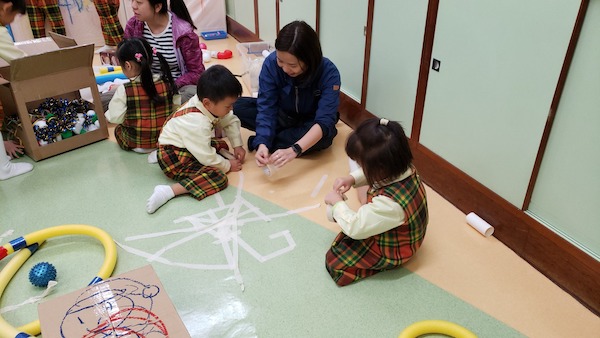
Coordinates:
[119,307]
[71,3]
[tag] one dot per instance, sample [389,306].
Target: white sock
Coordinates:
[162,194]
[9,169]
[143,150]
[152,157]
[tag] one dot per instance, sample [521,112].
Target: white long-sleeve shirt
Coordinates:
[380,215]
[8,51]
[194,131]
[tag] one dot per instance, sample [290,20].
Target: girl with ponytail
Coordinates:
[141,106]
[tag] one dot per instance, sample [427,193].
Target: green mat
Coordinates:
[286,289]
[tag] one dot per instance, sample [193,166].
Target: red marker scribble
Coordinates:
[136,321]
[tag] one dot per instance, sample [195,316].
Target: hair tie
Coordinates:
[154,51]
[384,122]
[138,57]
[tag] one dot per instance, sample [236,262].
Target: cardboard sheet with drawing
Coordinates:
[134,304]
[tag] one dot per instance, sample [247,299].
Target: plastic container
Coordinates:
[252,59]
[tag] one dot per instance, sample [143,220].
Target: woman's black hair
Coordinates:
[217,83]
[18,5]
[139,51]
[177,6]
[300,40]
[381,148]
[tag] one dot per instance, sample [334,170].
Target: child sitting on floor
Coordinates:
[140,107]
[388,230]
[188,153]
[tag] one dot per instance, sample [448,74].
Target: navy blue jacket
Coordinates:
[318,99]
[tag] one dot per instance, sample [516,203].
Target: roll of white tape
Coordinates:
[480,225]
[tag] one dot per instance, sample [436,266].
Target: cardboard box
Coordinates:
[132,304]
[55,67]
[253,58]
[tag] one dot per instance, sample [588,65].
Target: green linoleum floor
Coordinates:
[287,291]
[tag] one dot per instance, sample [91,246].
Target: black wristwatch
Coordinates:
[297,149]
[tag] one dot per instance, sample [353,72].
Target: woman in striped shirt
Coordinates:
[171,32]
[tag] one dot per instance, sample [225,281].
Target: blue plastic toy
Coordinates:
[214,35]
[42,273]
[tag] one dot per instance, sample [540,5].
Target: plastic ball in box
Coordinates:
[42,273]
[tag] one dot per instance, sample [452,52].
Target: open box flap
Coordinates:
[53,62]
[62,41]
[37,46]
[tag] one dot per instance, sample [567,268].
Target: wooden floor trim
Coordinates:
[239,32]
[566,265]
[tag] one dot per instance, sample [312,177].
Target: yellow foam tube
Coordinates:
[110,260]
[436,326]
[11,268]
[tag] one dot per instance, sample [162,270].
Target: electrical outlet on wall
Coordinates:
[436,64]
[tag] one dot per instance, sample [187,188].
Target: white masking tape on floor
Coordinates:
[318,187]
[480,225]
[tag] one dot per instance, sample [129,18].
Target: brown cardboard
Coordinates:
[50,71]
[62,41]
[132,304]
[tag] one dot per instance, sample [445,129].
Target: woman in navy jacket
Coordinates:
[297,106]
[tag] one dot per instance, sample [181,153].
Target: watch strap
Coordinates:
[297,149]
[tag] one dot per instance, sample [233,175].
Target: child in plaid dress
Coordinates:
[388,230]
[40,10]
[108,12]
[141,106]
[187,151]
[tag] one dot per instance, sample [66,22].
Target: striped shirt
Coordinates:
[164,44]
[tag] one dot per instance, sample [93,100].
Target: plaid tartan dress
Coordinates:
[180,165]
[349,260]
[108,11]
[40,10]
[144,119]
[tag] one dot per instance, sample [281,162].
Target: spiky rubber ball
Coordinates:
[42,273]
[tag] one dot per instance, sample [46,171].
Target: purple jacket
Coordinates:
[187,44]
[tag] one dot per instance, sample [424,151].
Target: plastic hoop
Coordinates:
[28,245]
[436,326]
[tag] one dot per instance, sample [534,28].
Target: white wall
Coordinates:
[486,108]
[567,191]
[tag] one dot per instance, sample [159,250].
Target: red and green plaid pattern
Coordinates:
[198,179]
[144,119]
[109,21]
[349,260]
[40,10]
[180,165]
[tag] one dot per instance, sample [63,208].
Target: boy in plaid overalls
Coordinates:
[187,151]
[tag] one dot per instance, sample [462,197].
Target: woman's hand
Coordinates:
[343,184]
[282,157]
[262,155]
